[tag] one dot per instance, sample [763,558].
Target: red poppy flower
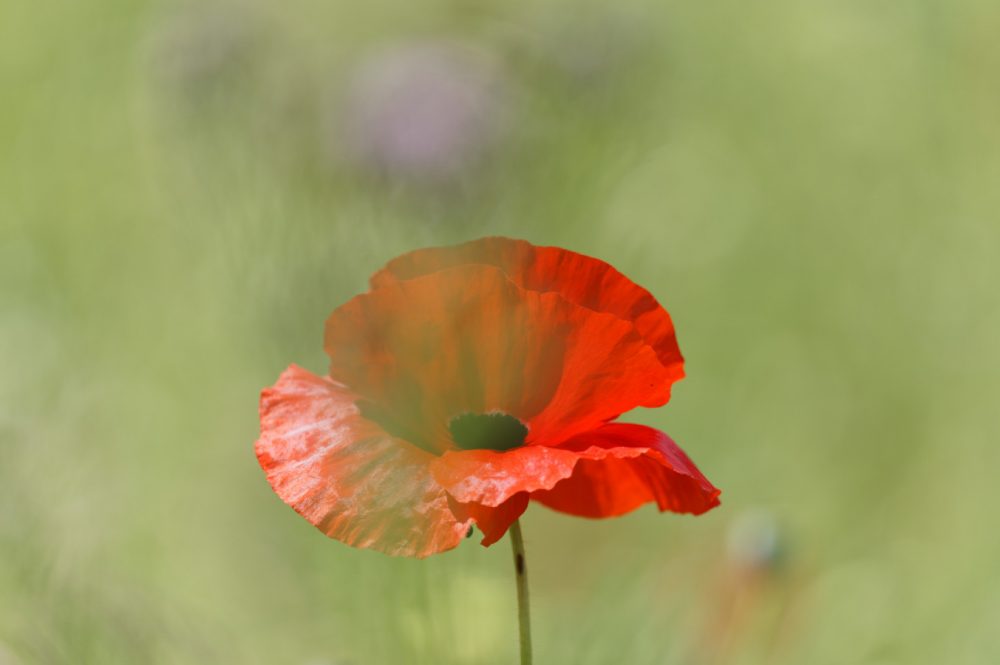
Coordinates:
[469,381]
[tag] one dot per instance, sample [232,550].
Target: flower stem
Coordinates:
[521,575]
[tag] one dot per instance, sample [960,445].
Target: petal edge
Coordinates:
[580,279]
[345,475]
[623,466]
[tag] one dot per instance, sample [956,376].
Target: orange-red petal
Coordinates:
[467,339]
[346,475]
[602,473]
[624,466]
[493,521]
[581,279]
[490,478]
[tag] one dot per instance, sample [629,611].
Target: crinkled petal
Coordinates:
[467,339]
[581,279]
[605,472]
[489,477]
[346,475]
[624,466]
[493,521]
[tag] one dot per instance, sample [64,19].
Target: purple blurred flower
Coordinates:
[425,112]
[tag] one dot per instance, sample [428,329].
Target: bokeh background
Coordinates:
[188,189]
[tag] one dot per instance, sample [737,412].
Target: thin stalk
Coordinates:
[521,575]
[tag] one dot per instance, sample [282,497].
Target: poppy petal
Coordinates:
[468,340]
[493,521]
[602,473]
[347,476]
[624,466]
[490,478]
[578,278]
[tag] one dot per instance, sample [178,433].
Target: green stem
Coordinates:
[521,574]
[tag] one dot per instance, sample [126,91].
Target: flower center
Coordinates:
[490,431]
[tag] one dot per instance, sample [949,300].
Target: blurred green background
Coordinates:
[811,188]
